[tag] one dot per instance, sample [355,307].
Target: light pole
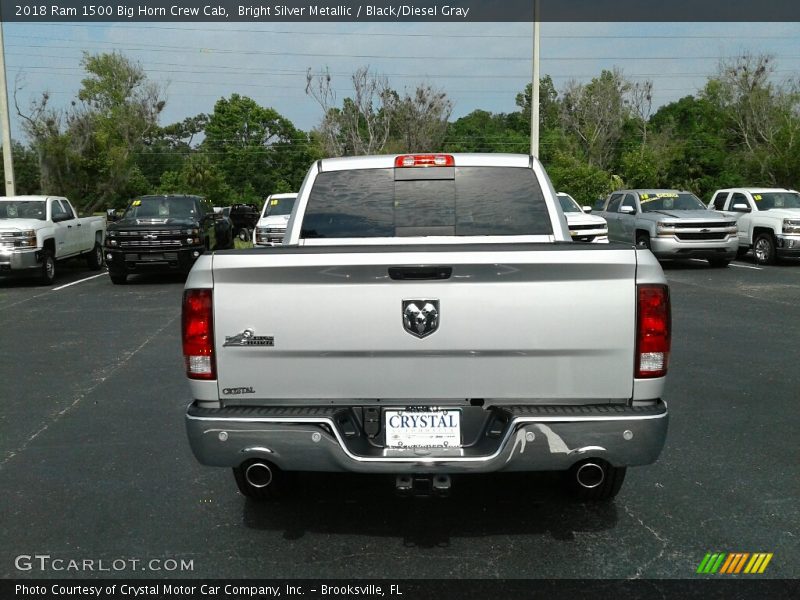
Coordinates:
[8,162]
[535,84]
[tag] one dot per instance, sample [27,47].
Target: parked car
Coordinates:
[768,220]
[164,233]
[673,224]
[38,231]
[244,218]
[583,227]
[272,224]
[414,324]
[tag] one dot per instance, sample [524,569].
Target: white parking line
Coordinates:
[731,264]
[61,287]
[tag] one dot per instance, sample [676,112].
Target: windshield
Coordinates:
[766,201]
[670,201]
[162,207]
[568,203]
[23,209]
[278,206]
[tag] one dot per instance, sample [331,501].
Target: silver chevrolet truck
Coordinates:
[673,224]
[427,316]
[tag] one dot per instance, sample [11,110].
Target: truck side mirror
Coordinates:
[741,207]
[586,209]
[111,214]
[627,210]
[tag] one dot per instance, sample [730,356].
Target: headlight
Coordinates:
[791,226]
[112,242]
[665,229]
[192,232]
[111,234]
[27,239]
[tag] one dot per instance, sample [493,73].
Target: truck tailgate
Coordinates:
[534,323]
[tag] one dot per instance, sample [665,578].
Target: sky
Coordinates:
[479,65]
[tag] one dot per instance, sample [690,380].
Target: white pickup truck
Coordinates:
[426,316]
[271,226]
[37,231]
[768,220]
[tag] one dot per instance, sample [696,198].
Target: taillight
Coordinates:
[653,331]
[424,160]
[198,334]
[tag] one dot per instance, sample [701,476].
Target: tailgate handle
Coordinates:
[417,273]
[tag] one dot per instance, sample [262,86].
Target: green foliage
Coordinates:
[198,176]
[584,182]
[482,131]
[254,147]
[26,169]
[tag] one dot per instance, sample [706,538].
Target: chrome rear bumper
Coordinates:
[534,438]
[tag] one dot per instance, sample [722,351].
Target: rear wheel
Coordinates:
[642,240]
[244,235]
[764,249]
[47,272]
[597,486]
[95,258]
[261,480]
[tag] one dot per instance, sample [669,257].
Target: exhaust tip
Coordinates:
[590,475]
[258,475]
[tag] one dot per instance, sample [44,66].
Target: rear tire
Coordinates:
[764,249]
[47,272]
[642,240]
[95,258]
[608,488]
[273,492]
[243,235]
[118,278]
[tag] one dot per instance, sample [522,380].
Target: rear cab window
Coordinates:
[428,201]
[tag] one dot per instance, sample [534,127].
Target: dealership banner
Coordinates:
[457,11]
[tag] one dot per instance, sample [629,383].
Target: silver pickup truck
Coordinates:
[427,316]
[673,224]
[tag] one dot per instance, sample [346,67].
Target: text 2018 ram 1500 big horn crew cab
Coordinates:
[427,316]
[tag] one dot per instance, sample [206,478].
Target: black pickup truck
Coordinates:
[244,218]
[164,233]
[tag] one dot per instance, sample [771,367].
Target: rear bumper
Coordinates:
[532,438]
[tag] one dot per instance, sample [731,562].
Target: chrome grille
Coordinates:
[711,235]
[150,243]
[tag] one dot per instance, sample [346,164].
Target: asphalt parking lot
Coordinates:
[94,462]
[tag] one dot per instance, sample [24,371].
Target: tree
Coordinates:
[482,131]
[762,117]
[595,115]
[363,123]
[26,169]
[420,121]
[255,147]
[89,150]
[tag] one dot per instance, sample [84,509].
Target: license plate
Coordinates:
[423,429]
